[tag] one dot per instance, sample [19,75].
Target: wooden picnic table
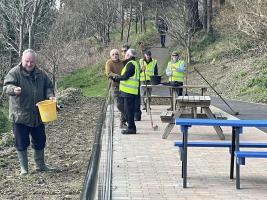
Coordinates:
[192,102]
[172,96]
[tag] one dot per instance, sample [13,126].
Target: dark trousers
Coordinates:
[162,40]
[143,91]
[137,109]
[129,108]
[179,91]
[22,135]
[119,102]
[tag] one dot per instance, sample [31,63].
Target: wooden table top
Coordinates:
[193,99]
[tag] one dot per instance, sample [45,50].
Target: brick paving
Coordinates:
[147,167]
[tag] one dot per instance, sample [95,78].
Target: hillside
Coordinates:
[234,63]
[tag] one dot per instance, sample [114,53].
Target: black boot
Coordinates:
[40,162]
[128,131]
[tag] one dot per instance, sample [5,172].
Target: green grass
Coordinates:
[5,125]
[216,46]
[91,80]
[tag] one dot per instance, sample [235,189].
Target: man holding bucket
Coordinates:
[27,85]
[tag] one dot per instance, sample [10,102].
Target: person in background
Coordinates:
[162,29]
[149,67]
[137,112]
[27,85]
[129,86]
[176,73]
[113,68]
[124,48]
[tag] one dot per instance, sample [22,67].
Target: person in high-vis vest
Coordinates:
[129,88]
[149,67]
[176,73]
[137,110]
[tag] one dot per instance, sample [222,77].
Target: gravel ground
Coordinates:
[69,143]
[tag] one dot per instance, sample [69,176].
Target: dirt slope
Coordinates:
[69,142]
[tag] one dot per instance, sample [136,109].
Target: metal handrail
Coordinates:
[90,181]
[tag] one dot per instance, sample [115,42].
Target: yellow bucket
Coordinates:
[48,110]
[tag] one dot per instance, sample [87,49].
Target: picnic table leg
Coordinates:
[184,162]
[168,130]
[237,165]
[170,125]
[232,154]
[217,128]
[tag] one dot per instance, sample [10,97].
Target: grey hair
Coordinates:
[113,51]
[131,53]
[31,51]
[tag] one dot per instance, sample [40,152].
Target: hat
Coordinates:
[175,53]
[148,53]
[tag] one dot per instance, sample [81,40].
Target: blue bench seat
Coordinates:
[220,144]
[241,155]
[226,144]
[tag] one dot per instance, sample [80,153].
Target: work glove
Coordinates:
[169,73]
[115,78]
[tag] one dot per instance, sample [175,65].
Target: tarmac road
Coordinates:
[246,110]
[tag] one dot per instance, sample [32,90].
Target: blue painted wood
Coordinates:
[220,144]
[221,122]
[251,154]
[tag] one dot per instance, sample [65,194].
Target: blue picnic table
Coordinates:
[237,129]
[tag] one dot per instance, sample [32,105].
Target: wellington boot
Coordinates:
[39,161]
[23,162]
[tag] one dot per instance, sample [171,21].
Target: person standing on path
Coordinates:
[176,72]
[129,86]
[27,85]
[137,112]
[113,68]
[149,67]
[162,29]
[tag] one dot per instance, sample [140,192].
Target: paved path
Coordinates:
[145,166]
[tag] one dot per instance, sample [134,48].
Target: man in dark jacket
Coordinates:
[137,110]
[162,29]
[129,88]
[27,85]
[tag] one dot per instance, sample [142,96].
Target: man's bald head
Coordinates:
[28,59]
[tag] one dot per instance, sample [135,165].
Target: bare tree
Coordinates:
[209,16]
[251,17]
[18,19]
[181,23]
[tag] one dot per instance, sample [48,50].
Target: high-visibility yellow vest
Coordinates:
[150,68]
[131,85]
[176,76]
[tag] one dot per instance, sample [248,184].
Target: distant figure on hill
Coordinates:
[27,85]
[162,29]
[113,68]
